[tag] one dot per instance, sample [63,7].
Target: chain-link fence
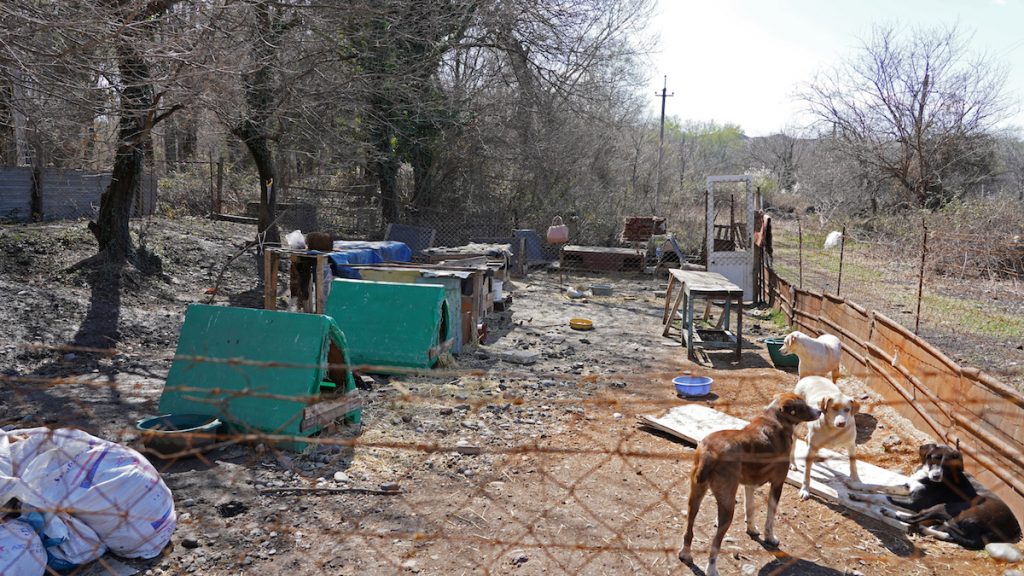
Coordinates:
[519,456]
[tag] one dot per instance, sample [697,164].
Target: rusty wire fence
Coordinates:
[484,465]
[487,467]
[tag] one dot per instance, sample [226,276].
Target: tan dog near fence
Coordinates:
[752,456]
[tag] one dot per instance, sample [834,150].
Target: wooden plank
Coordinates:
[323,413]
[574,249]
[270,265]
[321,283]
[692,422]
[705,282]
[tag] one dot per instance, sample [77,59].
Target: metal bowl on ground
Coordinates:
[175,433]
[692,385]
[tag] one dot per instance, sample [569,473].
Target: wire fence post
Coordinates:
[220,184]
[842,249]
[920,276]
[213,191]
[800,252]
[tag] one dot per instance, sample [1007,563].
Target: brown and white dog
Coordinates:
[302,269]
[943,501]
[818,356]
[835,427]
[752,456]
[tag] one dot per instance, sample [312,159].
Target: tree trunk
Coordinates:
[384,166]
[423,172]
[259,148]
[111,225]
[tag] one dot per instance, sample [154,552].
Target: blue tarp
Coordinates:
[348,253]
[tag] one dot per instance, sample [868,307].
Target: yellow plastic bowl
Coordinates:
[581,324]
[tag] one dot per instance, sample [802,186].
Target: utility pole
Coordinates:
[661,143]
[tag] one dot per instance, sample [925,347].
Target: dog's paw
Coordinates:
[855,484]
[804,493]
[753,532]
[794,467]
[685,556]
[855,497]
[712,570]
[772,541]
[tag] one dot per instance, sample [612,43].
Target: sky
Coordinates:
[742,61]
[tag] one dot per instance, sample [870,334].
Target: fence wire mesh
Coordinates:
[481,467]
[486,465]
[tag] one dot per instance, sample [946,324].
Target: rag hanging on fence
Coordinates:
[558,233]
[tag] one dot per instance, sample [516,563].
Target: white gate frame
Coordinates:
[720,259]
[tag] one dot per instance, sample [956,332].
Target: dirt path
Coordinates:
[564,482]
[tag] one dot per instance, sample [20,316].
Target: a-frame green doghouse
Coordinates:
[391,325]
[261,371]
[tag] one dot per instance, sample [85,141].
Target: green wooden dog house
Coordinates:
[390,324]
[261,371]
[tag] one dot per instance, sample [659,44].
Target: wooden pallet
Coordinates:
[692,422]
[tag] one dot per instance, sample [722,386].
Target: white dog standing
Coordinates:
[818,356]
[835,427]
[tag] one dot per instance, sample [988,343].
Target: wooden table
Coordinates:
[601,258]
[696,284]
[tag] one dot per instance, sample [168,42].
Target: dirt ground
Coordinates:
[565,481]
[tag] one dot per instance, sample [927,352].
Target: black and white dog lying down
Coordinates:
[943,501]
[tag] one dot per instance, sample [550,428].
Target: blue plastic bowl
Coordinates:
[692,385]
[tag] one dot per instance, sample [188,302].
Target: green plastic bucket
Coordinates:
[778,358]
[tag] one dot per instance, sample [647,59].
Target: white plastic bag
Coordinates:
[21,550]
[295,240]
[833,238]
[93,494]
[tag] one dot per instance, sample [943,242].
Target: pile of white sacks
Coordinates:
[79,497]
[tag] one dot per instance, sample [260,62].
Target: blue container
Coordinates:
[692,385]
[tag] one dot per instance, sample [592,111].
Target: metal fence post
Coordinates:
[800,252]
[920,276]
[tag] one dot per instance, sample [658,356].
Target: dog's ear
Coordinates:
[824,403]
[925,449]
[854,406]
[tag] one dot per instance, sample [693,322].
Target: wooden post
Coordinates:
[270,263]
[842,250]
[523,260]
[800,252]
[321,283]
[214,209]
[220,184]
[920,277]
[707,252]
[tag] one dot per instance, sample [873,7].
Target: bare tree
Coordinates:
[917,109]
[780,154]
